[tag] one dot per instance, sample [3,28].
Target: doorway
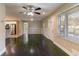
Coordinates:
[25,32]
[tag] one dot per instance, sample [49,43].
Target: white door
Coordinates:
[25,32]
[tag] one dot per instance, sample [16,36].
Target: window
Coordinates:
[62,24]
[69,24]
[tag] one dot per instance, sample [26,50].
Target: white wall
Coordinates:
[2,29]
[20,27]
[35,27]
[47,27]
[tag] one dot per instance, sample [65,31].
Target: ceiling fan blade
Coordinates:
[38,8]
[20,12]
[37,13]
[24,7]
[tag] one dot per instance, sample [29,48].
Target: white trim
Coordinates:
[2,52]
[65,50]
[68,9]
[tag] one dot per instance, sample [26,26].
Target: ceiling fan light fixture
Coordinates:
[31,10]
[30,14]
[24,13]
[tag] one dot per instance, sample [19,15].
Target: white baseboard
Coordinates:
[65,50]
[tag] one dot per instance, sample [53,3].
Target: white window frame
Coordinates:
[73,39]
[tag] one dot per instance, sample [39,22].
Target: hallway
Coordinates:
[39,29]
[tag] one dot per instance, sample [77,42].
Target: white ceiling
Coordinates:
[13,9]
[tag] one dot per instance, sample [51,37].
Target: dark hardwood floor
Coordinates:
[37,45]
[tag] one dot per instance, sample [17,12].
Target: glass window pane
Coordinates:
[62,24]
[69,24]
[73,22]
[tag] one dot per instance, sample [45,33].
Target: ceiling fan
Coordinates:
[30,10]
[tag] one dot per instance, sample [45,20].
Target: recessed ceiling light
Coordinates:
[43,13]
[32,19]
